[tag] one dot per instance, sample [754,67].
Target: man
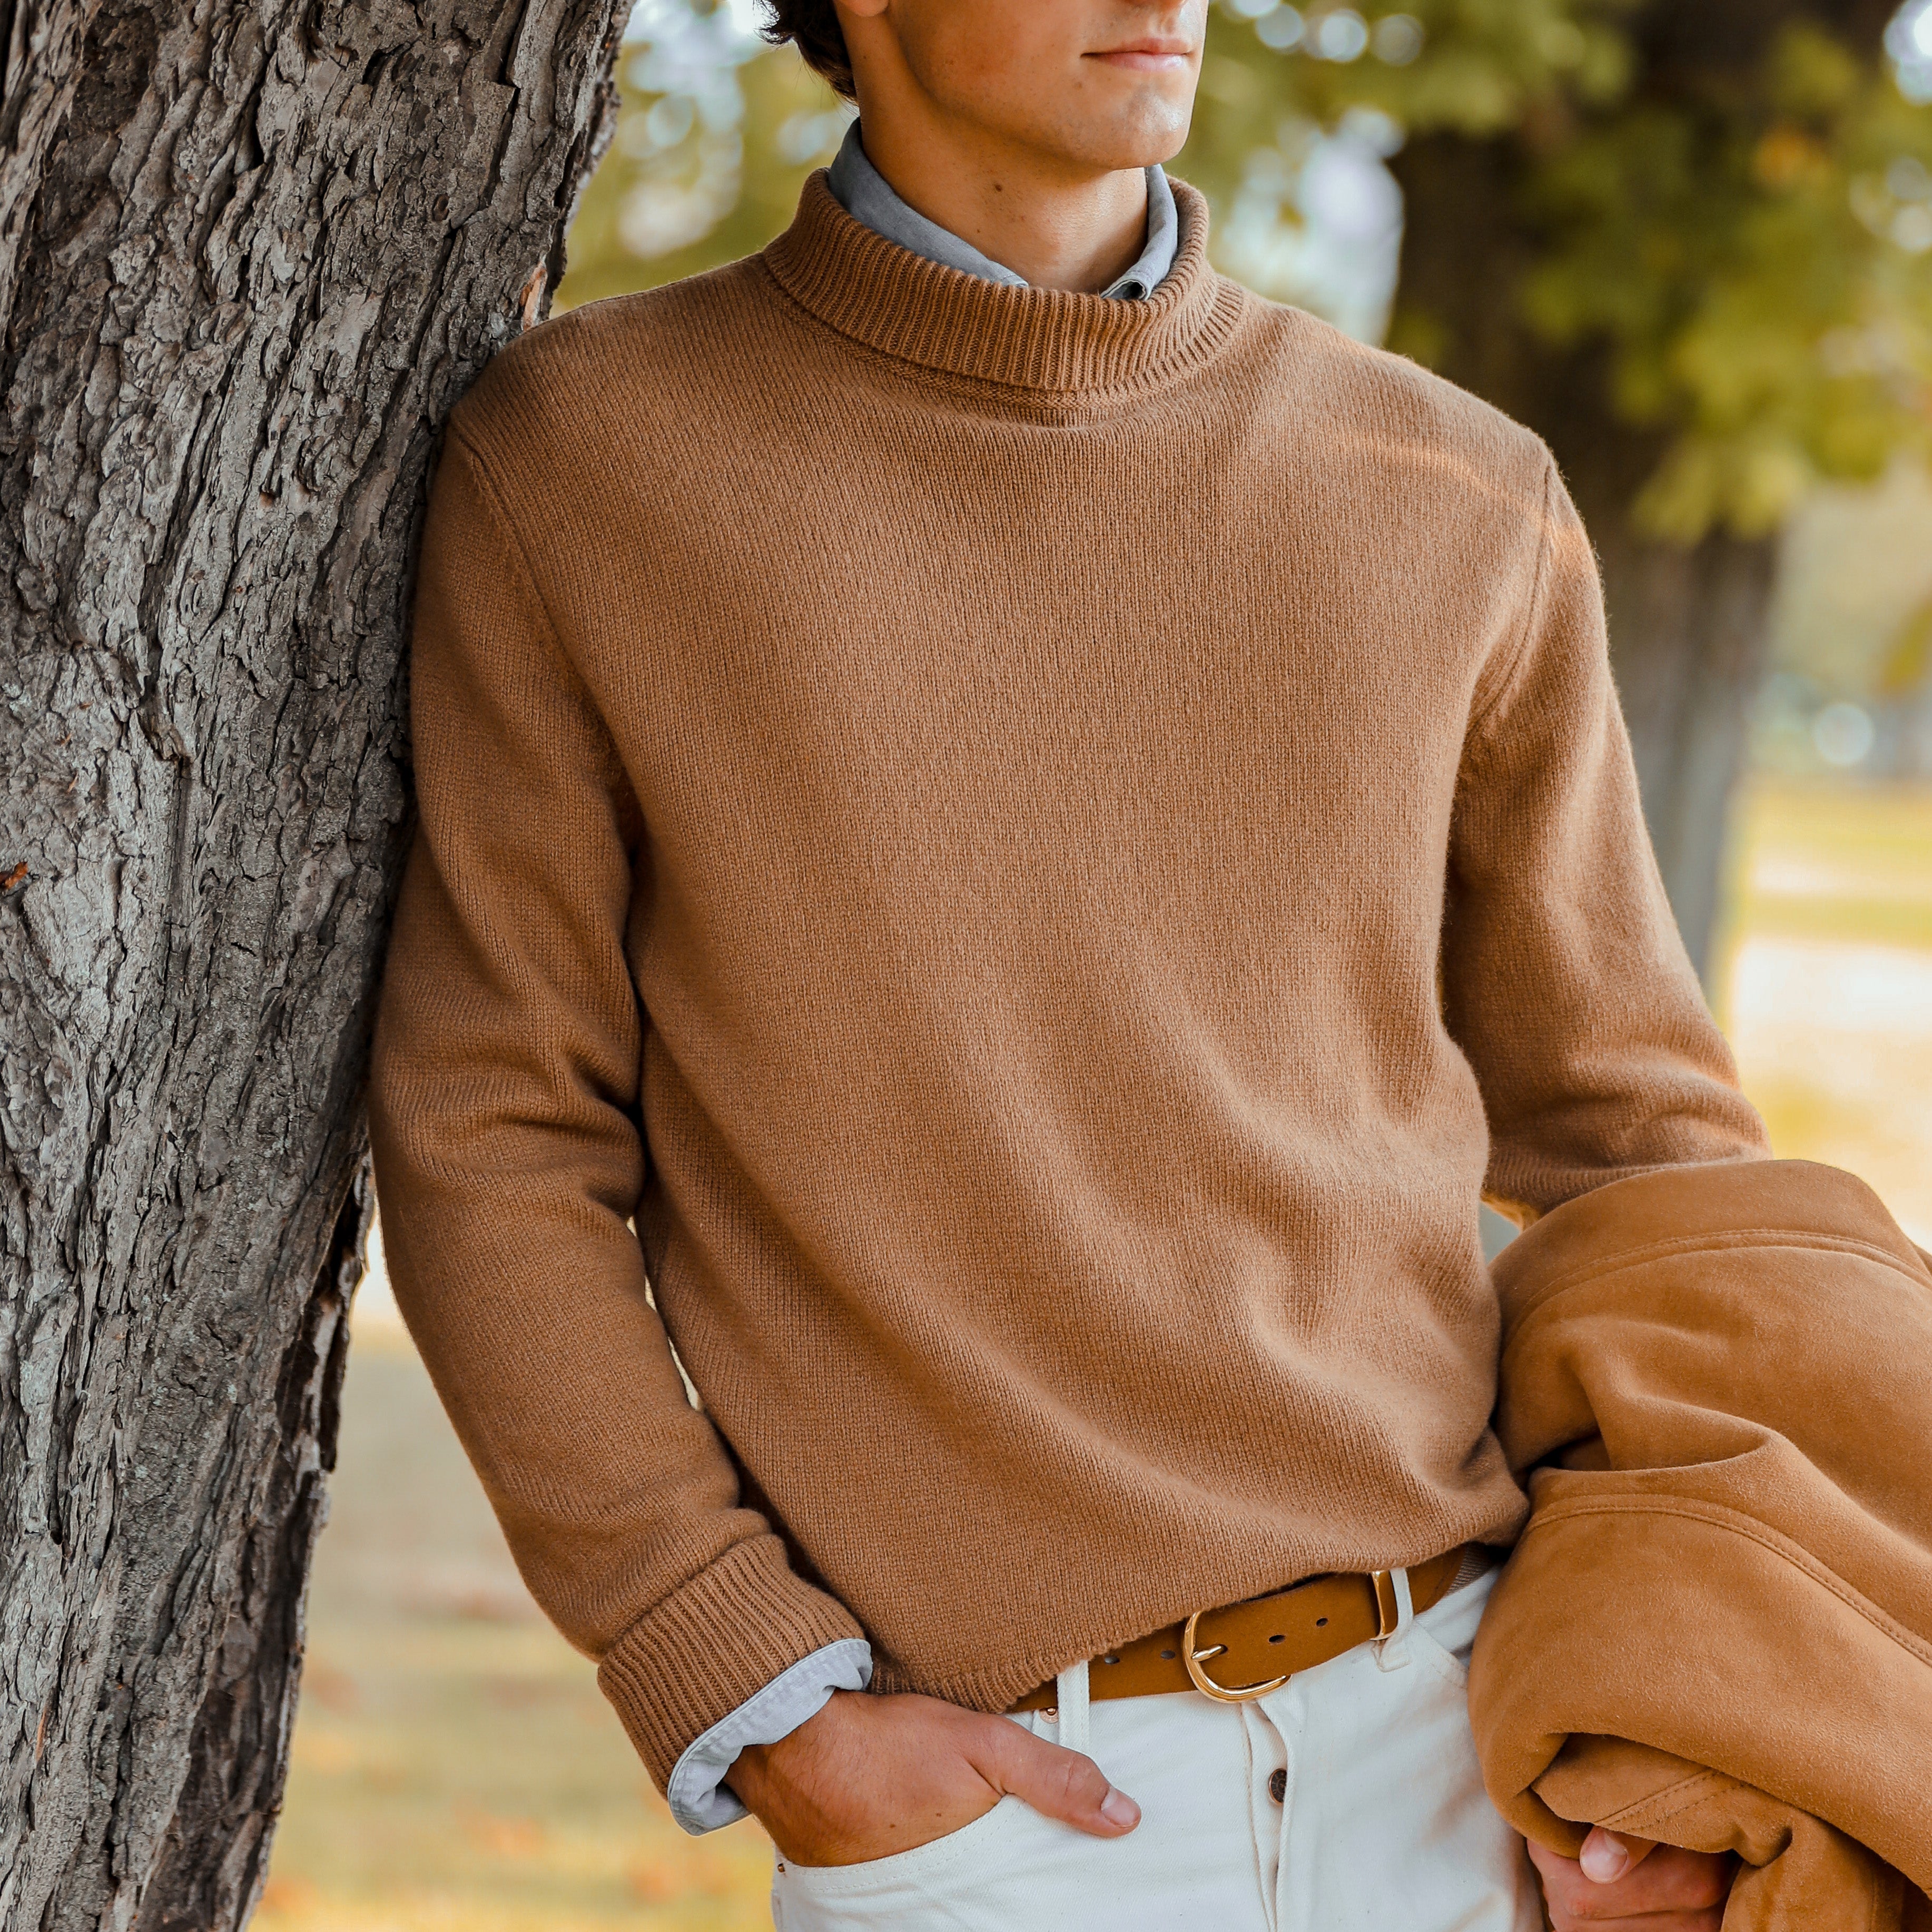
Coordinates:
[1040,828]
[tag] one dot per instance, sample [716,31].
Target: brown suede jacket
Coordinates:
[1717,1629]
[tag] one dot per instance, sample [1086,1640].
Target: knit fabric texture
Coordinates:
[1001,869]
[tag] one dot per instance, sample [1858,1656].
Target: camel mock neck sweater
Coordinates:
[1042,853]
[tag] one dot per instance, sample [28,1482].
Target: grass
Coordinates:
[455,1768]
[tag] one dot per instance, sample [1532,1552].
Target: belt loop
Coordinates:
[1074,1707]
[1392,1651]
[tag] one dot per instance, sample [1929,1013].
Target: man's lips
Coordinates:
[1153,55]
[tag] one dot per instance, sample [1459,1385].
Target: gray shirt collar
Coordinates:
[868,196]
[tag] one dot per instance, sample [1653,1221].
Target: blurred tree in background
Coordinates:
[1690,244]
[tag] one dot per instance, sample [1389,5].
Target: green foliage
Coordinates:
[1749,307]
[1484,67]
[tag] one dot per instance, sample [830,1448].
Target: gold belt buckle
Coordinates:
[1388,1615]
[1221,1693]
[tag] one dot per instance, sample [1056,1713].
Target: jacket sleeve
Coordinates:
[1564,978]
[509,1160]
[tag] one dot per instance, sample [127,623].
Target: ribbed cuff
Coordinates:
[712,1645]
[700,1800]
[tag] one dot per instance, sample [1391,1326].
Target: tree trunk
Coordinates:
[1688,624]
[250,252]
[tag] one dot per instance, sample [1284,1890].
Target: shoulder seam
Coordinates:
[1738,1522]
[1592,1274]
[494,490]
[566,666]
[1479,722]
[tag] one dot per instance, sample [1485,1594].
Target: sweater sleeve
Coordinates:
[504,1115]
[1564,980]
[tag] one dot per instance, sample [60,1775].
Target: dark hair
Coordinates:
[813,25]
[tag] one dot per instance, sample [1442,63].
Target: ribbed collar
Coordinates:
[876,293]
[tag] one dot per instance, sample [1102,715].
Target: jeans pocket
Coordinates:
[1452,1664]
[1448,1631]
[883,1892]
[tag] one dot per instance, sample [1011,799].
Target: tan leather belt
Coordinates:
[1257,1646]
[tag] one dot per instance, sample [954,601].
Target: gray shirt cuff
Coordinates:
[700,1800]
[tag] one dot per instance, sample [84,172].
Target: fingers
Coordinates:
[1056,1782]
[1663,1889]
[1608,1856]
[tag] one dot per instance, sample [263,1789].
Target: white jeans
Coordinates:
[1381,1824]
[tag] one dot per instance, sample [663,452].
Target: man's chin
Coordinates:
[1114,148]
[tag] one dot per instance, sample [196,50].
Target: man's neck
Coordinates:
[1056,227]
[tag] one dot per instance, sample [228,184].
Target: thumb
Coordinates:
[1056,1782]
[1607,1856]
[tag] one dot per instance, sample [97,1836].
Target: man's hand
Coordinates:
[872,1775]
[1622,1884]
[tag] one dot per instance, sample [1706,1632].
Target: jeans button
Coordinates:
[1278,1785]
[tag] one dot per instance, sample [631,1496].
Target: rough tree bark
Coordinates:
[1688,624]
[250,252]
